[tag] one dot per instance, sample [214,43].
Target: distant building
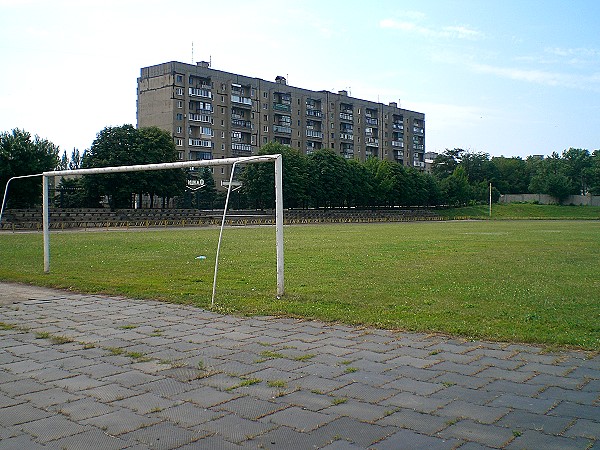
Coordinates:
[429,158]
[213,114]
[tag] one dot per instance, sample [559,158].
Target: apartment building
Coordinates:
[215,114]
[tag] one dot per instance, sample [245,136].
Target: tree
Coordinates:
[205,197]
[455,188]
[20,154]
[328,177]
[126,145]
[445,163]
[594,173]
[513,176]
[577,164]
[549,178]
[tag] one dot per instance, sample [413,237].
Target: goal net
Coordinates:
[233,162]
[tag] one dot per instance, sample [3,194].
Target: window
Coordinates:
[222,146]
[266,117]
[266,128]
[180,78]
[264,140]
[265,95]
[179,143]
[265,106]
[179,104]
[179,91]
[179,129]
[223,86]
[222,123]
[222,135]
[222,170]
[179,116]
[222,110]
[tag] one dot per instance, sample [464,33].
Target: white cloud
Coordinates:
[451,32]
[587,82]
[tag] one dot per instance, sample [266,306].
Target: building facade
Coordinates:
[214,114]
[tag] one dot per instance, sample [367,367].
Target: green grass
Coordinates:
[522,211]
[524,281]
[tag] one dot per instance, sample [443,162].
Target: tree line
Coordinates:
[321,179]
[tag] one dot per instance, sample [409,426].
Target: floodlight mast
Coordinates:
[277,159]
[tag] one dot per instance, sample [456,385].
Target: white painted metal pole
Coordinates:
[279,222]
[490,200]
[45,223]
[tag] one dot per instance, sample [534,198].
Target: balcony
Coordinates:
[346,116]
[372,142]
[418,130]
[314,113]
[204,118]
[241,123]
[347,136]
[282,129]
[398,155]
[204,93]
[282,107]
[418,147]
[398,144]
[348,155]
[419,164]
[246,101]
[241,149]
[314,134]
[371,121]
[397,126]
[200,143]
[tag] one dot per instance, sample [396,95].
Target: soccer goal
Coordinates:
[233,162]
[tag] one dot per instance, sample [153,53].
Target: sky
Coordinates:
[503,77]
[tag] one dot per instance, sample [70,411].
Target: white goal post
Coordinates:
[277,159]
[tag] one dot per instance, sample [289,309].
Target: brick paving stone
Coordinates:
[464,409]
[120,421]
[463,369]
[92,439]
[364,392]
[146,403]
[220,381]
[21,413]
[476,396]
[407,360]
[24,366]
[110,392]
[26,349]
[167,387]
[414,420]
[102,370]
[584,428]
[188,414]
[535,439]
[299,419]
[360,433]
[323,370]
[534,405]
[21,442]
[414,373]
[83,409]
[52,428]
[580,396]
[270,374]
[74,362]
[507,364]
[306,400]
[451,378]
[212,441]
[362,411]
[490,435]
[249,408]
[162,436]
[341,444]
[206,396]
[522,420]
[49,397]
[50,374]
[366,376]
[236,429]
[286,438]
[416,402]
[8,401]
[131,378]
[23,386]
[312,382]
[570,409]
[414,386]
[553,380]
[501,386]
[409,440]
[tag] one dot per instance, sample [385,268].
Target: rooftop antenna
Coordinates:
[192,52]
[209,60]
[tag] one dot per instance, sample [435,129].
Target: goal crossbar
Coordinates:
[277,159]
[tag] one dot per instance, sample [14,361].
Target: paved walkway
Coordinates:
[96,372]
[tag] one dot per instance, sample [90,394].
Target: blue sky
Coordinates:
[505,77]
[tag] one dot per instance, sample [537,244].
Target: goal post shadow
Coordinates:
[277,159]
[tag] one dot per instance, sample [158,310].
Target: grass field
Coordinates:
[523,281]
[522,211]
